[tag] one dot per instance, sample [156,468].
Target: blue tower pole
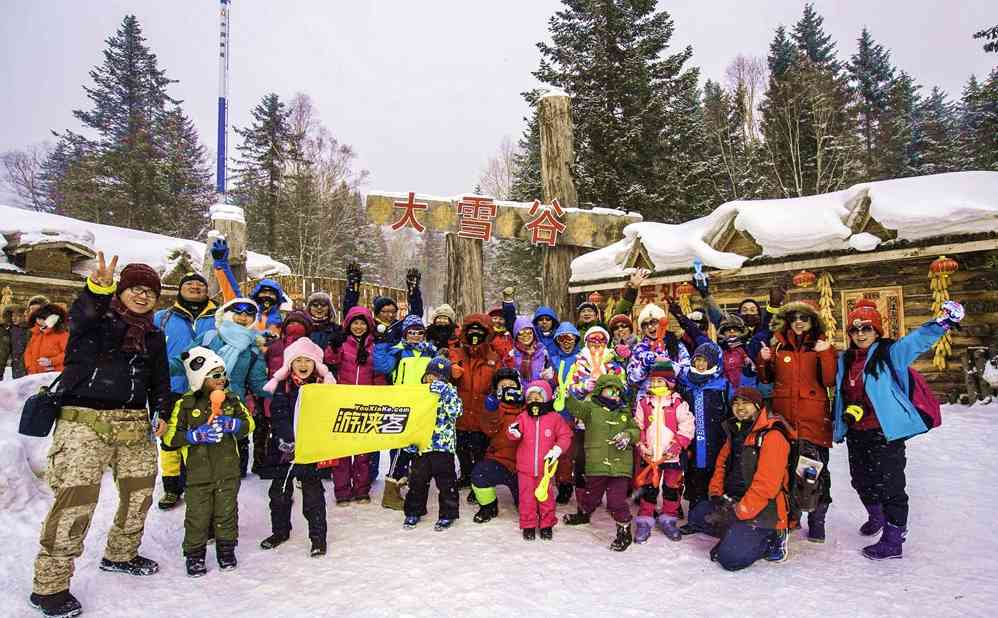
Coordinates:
[223,94]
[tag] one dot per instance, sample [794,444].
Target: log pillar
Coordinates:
[465,290]
[557,157]
[229,222]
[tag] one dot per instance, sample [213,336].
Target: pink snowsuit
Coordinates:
[666,425]
[540,433]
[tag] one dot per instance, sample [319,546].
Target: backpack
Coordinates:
[922,398]
[804,469]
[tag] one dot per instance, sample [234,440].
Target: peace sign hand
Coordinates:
[104,274]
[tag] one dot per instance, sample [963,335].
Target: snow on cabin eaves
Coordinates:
[129,245]
[916,208]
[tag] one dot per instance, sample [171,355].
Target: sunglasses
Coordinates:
[803,318]
[415,333]
[622,327]
[865,329]
[317,303]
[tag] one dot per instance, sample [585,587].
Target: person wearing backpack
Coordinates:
[875,413]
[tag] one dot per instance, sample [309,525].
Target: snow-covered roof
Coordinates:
[916,208]
[129,245]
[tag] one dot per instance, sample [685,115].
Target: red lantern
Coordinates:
[596,298]
[685,289]
[944,265]
[804,279]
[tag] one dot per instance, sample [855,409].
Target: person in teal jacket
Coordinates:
[874,414]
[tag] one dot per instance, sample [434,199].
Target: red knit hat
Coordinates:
[619,319]
[139,274]
[865,312]
[749,394]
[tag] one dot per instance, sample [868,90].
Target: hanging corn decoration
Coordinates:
[939,272]
[826,302]
[611,304]
[684,290]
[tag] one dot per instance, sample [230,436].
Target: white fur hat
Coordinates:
[651,311]
[198,363]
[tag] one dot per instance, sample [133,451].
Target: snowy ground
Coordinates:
[376,568]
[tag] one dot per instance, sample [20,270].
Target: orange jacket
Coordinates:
[770,482]
[494,424]
[473,368]
[800,378]
[50,344]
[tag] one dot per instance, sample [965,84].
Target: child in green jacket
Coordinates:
[206,427]
[610,436]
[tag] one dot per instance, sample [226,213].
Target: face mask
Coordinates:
[474,337]
[659,391]
[750,320]
[512,394]
[537,408]
[733,341]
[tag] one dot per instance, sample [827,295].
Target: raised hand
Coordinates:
[637,278]
[953,311]
[412,277]
[104,274]
[675,309]
[220,249]
[353,275]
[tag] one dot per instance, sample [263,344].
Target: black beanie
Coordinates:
[191,276]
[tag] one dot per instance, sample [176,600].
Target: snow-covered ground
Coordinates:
[374,567]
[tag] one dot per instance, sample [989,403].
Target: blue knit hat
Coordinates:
[410,322]
[439,366]
[710,352]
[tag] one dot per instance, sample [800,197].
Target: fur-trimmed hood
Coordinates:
[46,312]
[778,324]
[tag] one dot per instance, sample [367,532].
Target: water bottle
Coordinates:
[810,475]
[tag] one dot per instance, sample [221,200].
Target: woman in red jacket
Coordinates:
[46,349]
[801,365]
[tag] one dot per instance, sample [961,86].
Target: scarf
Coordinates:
[138,326]
[236,338]
[193,308]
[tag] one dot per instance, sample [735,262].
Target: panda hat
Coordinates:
[199,363]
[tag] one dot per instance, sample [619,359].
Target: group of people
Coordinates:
[33,337]
[606,410]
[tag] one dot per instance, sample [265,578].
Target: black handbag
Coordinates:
[40,410]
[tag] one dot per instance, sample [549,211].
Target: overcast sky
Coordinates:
[424,90]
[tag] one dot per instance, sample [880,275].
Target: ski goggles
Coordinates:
[244,309]
[596,339]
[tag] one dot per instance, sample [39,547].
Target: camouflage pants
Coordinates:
[211,506]
[76,463]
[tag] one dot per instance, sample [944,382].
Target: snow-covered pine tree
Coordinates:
[898,139]
[728,155]
[813,42]
[978,130]
[124,159]
[939,132]
[259,172]
[871,73]
[610,56]
[186,176]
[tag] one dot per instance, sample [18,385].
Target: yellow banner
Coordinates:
[333,420]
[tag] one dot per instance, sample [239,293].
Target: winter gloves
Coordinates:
[514,431]
[227,424]
[852,414]
[220,252]
[621,440]
[723,513]
[285,447]
[205,434]
[953,313]
[412,277]
[553,454]
[353,276]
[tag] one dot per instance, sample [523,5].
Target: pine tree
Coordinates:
[609,55]
[871,73]
[991,36]
[898,140]
[978,128]
[728,154]
[782,54]
[812,41]
[260,172]
[186,177]
[938,129]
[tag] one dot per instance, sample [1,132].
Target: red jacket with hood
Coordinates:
[473,368]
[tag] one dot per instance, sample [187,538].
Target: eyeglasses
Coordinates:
[139,290]
[651,322]
[217,375]
[804,318]
[865,329]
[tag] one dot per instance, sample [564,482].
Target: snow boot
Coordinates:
[225,554]
[623,540]
[274,540]
[816,524]
[392,498]
[195,563]
[564,493]
[362,499]
[487,512]
[875,522]
[642,528]
[346,501]
[59,605]
[443,523]
[576,519]
[410,522]
[667,524]
[318,548]
[889,545]
[529,534]
[169,501]
[779,547]
[472,499]
[137,566]
[547,534]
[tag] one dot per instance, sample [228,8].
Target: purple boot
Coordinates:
[667,524]
[875,523]
[642,528]
[889,545]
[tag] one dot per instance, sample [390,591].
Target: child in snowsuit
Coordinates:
[538,430]
[748,507]
[502,407]
[302,364]
[206,428]
[874,414]
[594,360]
[567,341]
[657,343]
[609,443]
[545,323]
[437,462]
[707,391]
[666,426]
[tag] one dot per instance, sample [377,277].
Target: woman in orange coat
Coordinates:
[801,365]
[49,334]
